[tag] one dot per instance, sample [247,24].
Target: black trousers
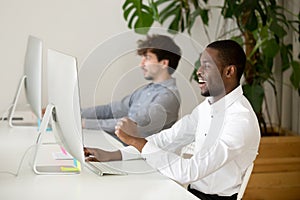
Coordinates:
[204,196]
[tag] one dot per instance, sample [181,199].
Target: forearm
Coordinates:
[99,155]
[108,111]
[108,125]
[97,112]
[136,142]
[115,155]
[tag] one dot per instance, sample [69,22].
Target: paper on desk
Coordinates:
[62,155]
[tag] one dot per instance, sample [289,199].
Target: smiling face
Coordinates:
[210,74]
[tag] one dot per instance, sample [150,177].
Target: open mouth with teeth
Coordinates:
[200,81]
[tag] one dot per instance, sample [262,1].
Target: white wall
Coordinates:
[80,28]
[73,27]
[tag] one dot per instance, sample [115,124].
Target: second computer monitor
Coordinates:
[63,94]
[31,79]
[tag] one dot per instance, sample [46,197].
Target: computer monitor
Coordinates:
[31,80]
[63,110]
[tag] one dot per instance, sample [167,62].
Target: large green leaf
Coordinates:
[263,68]
[247,12]
[270,48]
[174,12]
[238,39]
[264,32]
[295,76]
[169,10]
[252,22]
[138,15]
[261,8]
[277,29]
[229,9]
[255,94]
[286,56]
[175,24]
[203,13]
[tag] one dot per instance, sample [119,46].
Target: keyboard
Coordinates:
[102,169]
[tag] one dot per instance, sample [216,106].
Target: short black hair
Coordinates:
[163,47]
[230,53]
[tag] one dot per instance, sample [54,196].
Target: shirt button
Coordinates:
[211,116]
[148,93]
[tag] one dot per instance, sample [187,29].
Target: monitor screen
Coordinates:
[33,73]
[63,95]
[31,79]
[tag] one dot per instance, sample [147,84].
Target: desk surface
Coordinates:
[142,182]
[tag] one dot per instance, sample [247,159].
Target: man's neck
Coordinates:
[162,78]
[214,99]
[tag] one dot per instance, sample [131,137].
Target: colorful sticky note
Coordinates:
[76,168]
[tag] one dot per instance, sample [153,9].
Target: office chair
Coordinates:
[245,182]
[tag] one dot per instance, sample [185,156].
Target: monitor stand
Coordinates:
[51,169]
[14,105]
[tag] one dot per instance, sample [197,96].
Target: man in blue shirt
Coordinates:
[152,107]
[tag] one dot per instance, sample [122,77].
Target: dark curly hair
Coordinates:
[163,47]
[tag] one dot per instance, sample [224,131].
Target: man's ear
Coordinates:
[230,71]
[165,62]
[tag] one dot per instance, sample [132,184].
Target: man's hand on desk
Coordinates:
[121,131]
[99,155]
[124,125]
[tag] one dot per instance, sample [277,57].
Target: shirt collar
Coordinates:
[227,100]
[169,83]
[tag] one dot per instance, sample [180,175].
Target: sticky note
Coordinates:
[76,168]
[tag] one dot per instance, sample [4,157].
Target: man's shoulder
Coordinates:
[169,84]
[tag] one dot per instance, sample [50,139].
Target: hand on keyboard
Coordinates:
[99,155]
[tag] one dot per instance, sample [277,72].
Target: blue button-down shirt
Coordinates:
[153,107]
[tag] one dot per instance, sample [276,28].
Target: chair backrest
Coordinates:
[245,182]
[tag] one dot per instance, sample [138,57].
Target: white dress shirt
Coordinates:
[226,135]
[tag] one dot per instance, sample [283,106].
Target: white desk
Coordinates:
[86,185]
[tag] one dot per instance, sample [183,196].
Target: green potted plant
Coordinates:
[261,28]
